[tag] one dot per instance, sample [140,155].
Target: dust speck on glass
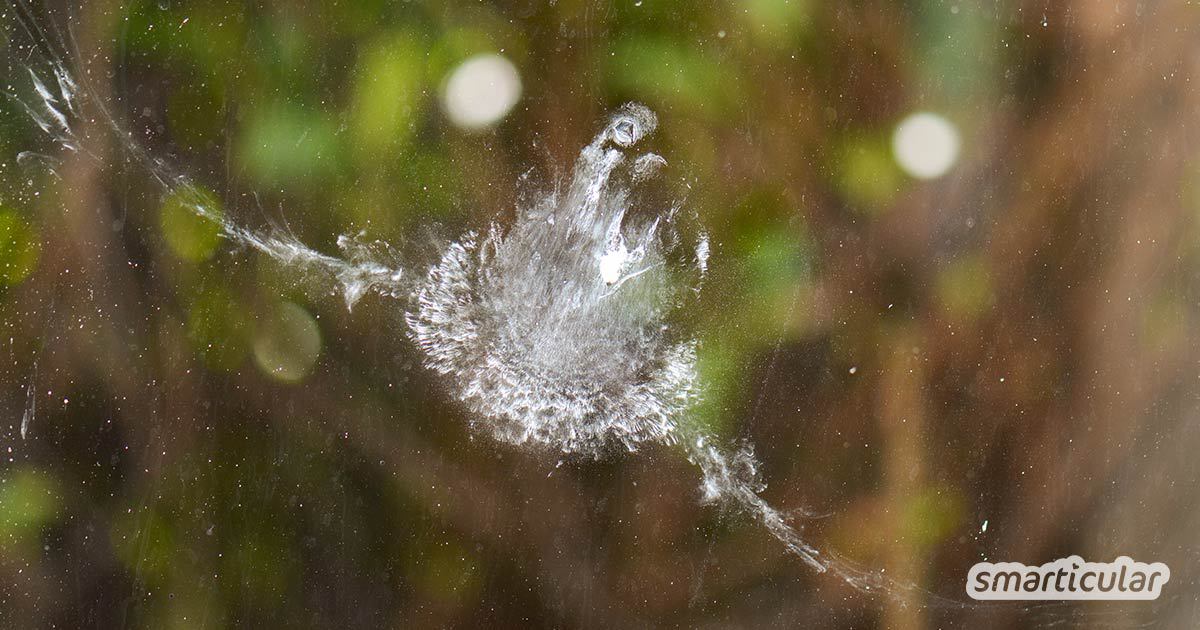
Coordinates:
[582,314]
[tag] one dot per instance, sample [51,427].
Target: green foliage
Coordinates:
[664,70]
[447,572]
[191,237]
[218,327]
[776,23]
[287,342]
[146,544]
[29,500]
[931,515]
[19,247]
[389,92]
[286,144]
[866,174]
[964,287]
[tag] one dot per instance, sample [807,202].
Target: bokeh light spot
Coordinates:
[925,145]
[481,91]
[288,343]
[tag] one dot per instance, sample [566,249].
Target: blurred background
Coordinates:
[952,305]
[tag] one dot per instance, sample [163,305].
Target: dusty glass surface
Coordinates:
[579,314]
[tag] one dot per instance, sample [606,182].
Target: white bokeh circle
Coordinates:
[481,91]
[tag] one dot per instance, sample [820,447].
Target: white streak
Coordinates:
[30,404]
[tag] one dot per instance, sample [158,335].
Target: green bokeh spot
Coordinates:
[866,174]
[287,343]
[28,501]
[262,562]
[287,144]
[191,236]
[145,543]
[19,248]
[932,515]
[448,573]
[218,328]
[776,23]
[387,93]
[965,287]
[719,370]
[955,53]
[673,72]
